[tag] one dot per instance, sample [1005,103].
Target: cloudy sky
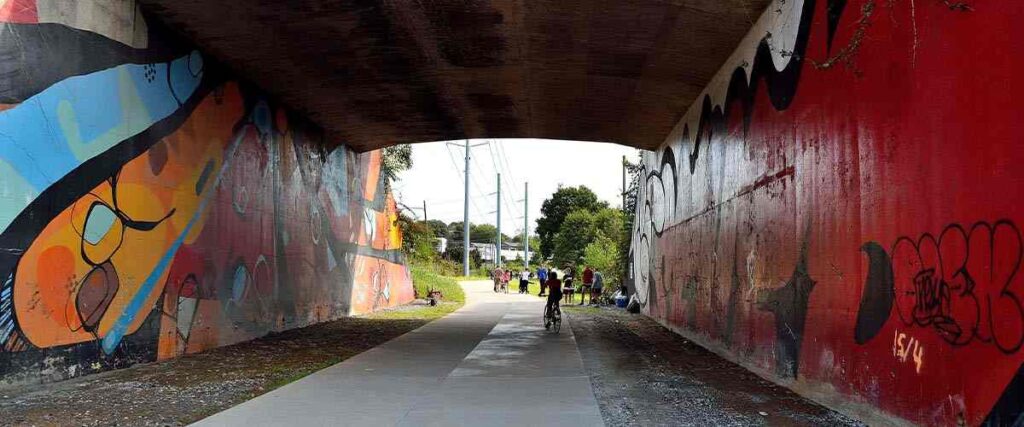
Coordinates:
[437,177]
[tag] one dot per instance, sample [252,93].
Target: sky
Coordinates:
[437,177]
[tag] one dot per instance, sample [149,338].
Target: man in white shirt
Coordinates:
[524,281]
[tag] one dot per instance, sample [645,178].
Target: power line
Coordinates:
[460,171]
[511,176]
[499,164]
[508,199]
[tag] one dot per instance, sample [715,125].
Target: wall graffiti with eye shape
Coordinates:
[151,209]
[839,210]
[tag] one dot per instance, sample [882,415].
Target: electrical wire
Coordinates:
[472,199]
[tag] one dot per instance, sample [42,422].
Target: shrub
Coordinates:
[424,278]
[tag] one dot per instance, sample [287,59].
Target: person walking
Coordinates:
[598,286]
[568,290]
[524,281]
[499,276]
[542,276]
[588,284]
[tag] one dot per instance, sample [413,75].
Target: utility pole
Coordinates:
[465,210]
[497,259]
[465,220]
[526,225]
[425,219]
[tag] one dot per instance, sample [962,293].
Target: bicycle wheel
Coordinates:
[556,321]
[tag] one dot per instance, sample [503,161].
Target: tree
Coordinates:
[482,233]
[628,212]
[454,253]
[602,254]
[455,231]
[583,227]
[394,160]
[439,227]
[576,233]
[417,239]
[609,222]
[554,210]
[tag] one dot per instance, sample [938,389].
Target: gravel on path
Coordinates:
[644,374]
[185,389]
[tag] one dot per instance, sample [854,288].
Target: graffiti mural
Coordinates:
[839,212]
[152,205]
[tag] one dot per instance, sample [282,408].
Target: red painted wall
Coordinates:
[847,221]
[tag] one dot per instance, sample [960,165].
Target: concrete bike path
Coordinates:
[489,363]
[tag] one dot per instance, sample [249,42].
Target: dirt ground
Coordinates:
[644,374]
[186,389]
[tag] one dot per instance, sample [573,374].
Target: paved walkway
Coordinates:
[489,363]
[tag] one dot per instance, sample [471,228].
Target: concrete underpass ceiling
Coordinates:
[376,73]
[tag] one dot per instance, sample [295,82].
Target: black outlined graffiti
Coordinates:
[780,85]
[656,202]
[657,196]
[876,302]
[957,284]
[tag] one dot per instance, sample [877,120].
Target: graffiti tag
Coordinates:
[963,285]
[902,349]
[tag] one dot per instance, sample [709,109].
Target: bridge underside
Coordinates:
[377,73]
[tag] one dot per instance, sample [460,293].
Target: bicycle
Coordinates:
[603,298]
[553,317]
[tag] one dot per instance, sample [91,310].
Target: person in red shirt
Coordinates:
[588,283]
[554,287]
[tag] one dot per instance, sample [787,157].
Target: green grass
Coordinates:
[533,287]
[424,279]
[291,377]
[417,313]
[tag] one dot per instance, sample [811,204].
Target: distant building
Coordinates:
[441,244]
[510,252]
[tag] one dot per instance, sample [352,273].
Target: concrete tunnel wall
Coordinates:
[838,211]
[153,205]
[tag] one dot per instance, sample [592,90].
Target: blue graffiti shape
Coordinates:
[56,131]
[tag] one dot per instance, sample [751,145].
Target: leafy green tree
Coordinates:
[394,160]
[455,231]
[439,227]
[618,274]
[417,239]
[609,222]
[583,227]
[454,254]
[478,233]
[602,254]
[482,233]
[554,211]
[576,233]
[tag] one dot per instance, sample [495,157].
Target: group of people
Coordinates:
[559,291]
[502,278]
[592,284]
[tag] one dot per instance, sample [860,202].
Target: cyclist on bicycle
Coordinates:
[554,287]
